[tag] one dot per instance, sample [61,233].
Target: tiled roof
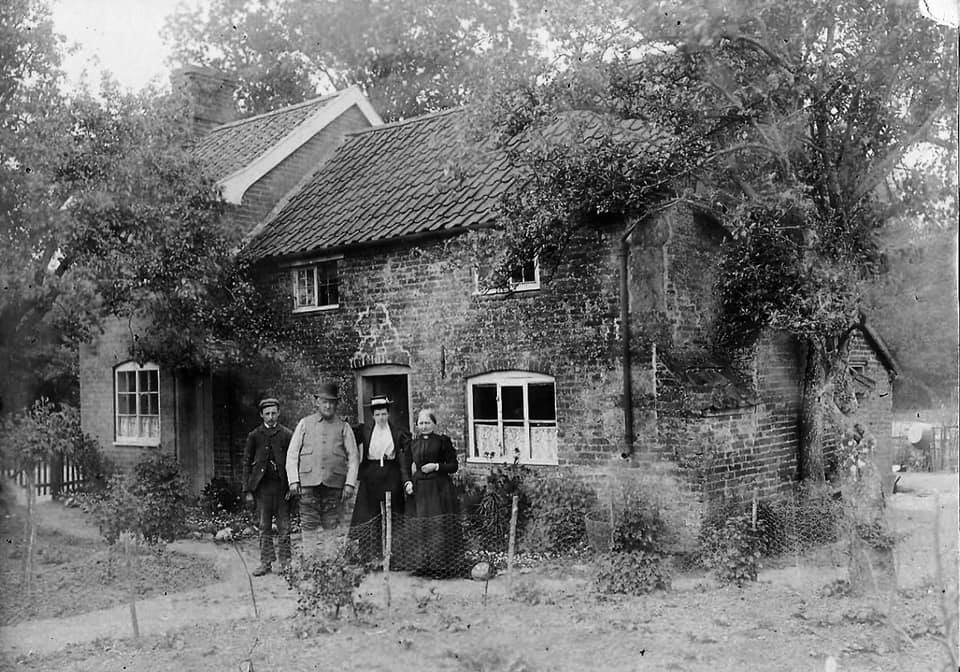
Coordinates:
[230,147]
[387,182]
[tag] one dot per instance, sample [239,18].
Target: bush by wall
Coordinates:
[632,573]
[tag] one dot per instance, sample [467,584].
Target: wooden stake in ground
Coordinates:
[388,538]
[511,546]
[127,538]
[30,530]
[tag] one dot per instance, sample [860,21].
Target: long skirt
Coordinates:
[366,524]
[434,530]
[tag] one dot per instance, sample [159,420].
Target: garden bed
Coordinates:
[74,575]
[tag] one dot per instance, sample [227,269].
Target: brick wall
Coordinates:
[97,362]
[874,408]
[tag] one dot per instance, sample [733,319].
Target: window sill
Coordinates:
[315,309]
[522,463]
[136,443]
[518,289]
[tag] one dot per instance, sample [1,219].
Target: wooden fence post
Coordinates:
[388,543]
[511,546]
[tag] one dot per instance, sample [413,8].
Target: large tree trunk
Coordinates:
[810,454]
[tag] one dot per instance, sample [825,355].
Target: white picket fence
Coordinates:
[54,478]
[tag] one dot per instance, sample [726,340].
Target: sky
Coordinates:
[122,36]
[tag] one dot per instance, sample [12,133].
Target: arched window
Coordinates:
[137,404]
[512,415]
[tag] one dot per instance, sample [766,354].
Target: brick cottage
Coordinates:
[135,409]
[604,363]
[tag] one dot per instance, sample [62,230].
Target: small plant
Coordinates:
[558,507]
[151,502]
[491,525]
[326,583]
[633,573]
[732,547]
[220,495]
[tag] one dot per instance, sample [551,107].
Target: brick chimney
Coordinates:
[209,94]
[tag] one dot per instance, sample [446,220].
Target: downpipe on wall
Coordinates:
[625,341]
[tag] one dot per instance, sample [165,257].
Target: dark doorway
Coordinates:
[394,387]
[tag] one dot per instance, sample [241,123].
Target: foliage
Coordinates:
[638,526]
[326,583]
[150,502]
[795,126]
[732,548]
[221,495]
[558,507]
[410,56]
[632,572]
[34,435]
[103,208]
[491,525]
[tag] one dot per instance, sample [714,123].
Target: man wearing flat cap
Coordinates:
[322,464]
[265,479]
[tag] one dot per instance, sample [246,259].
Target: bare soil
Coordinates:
[796,617]
[75,575]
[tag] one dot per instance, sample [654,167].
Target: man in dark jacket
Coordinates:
[265,479]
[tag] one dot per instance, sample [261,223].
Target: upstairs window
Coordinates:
[315,287]
[512,416]
[522,279]
[137,404]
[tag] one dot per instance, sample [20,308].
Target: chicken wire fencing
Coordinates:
[800,530]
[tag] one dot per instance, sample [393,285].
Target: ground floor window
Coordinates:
[512,416]
[137,390]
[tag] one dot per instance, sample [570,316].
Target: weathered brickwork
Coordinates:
[98,361]
[874,393]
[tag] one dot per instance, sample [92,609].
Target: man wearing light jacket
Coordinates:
[322,464]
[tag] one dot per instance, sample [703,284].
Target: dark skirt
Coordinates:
[366,524]
[433,529]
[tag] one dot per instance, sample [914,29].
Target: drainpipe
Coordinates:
[625,352]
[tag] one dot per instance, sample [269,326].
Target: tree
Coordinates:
[409,56]
[104,210]
[793,124]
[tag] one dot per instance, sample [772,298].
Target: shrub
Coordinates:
[558,507]
[220,495]
[731,547]
[632,573]
[326,583]
[96,468]
[638,527]
[151,502]
[490,528]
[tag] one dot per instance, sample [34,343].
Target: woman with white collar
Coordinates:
[384,467]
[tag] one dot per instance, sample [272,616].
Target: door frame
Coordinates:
[376,371]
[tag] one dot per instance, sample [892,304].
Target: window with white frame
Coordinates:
[512,415]
[137,390]
[316,286]
[523,278]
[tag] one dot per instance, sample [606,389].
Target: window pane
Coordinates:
[153,407]
[304,289]
[511,399]
[328,293]
[515,443]
[126,405]
[542,401]
[486,441]
[524,273]
[543,444]
[153,380]
[143,380]
[485,402]
[126,381]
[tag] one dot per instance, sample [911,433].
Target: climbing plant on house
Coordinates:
[798,126]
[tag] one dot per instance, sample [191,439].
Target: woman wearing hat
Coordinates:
[384,467]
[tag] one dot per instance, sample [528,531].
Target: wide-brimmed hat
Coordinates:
[379,401]
[269,401]
[328,391]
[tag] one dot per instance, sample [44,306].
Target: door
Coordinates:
[391,385]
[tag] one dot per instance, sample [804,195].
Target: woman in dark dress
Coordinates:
[435,517]
[384,467]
